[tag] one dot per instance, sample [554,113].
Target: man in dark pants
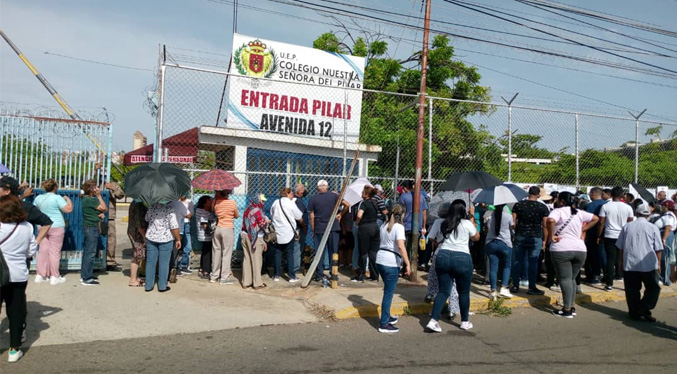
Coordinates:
[641,247]
[613,216]
[529,217]
[407,199]
[593,261]
[321,207]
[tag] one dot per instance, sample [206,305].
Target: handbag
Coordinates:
[103,228]
[4,269]
[269,234]
[297,236]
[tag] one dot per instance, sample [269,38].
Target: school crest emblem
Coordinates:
[255,59]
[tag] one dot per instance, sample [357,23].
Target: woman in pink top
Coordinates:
[223,238]
[566,230]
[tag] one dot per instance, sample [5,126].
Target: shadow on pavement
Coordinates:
[657,329]
[34,325]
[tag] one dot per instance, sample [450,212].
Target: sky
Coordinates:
[128,33]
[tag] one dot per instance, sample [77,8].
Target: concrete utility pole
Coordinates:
[416,217]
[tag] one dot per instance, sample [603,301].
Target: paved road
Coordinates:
[600,340]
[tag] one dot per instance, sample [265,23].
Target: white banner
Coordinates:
[321,107]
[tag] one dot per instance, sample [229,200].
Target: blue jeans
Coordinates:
[532,248]
[389,274]
[288,248]
[186,245]
[298,249]
[498,252]
[91,236]
[453,266]
[665,261]
[330,248]
[157,256]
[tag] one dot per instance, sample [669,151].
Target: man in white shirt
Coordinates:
[641,246]
[284,216]
[667,224]
[612,217]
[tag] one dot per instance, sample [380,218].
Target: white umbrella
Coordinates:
[503,194]
[353,193]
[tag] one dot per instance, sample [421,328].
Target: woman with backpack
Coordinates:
[566,225]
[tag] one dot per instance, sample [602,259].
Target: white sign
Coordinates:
[304,92]
[142,159]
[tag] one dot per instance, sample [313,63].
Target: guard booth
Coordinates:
[37,146]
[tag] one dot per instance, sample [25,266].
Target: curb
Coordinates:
[478,305]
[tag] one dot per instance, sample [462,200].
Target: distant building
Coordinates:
[139,140]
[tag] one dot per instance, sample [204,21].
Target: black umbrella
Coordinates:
[157,183]
[643,193]
[470,180]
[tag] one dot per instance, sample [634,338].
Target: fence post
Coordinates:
[636,117]
[430,145]
[578,175]
[160,118]
[509,102]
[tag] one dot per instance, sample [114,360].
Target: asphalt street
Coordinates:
[601,339]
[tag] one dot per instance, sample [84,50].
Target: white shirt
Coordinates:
[668,219]
[180,209]
[436,232]
[285,230]
[459,241]
[617,214]
[389,243]
[18,247]
[161,220]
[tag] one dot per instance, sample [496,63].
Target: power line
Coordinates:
[457,3]
[97,62]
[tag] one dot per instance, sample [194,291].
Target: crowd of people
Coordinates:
[605,235]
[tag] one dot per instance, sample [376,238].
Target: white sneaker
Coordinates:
[555,288]
[294,280]
[524,283]
[505,292]
[14,356]
[467,325]
[276,279]
[579,290]
[40,279]
[493,295]
[54,280]
[434,326]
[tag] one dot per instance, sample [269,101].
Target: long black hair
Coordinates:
[568,199]
[498,217]
[457,213]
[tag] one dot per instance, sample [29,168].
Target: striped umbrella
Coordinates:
[502,194]
[216,180]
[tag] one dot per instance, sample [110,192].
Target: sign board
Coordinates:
[294,90]
[144,159]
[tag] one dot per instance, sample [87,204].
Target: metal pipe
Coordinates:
[509,102]
[161,110]
[430,144]
[578,180]
[636,117]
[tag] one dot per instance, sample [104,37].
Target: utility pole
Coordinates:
[416,216]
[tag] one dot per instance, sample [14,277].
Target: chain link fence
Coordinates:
[293,141]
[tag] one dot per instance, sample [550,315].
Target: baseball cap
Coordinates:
[322,183]
[378,187]
[263,197]
[669,204]
[10,184]
[643,209]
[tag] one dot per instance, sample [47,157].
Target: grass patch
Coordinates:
[497,309]
[406,311]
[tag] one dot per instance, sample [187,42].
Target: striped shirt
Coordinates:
[225,210]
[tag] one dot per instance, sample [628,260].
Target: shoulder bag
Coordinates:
[296,232]
[4,269]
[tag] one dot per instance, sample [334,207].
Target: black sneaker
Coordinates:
[535,291]
[357,280]
[393,320]
[185,272]
[90,282]
[165,290]
[563,313]
[573,311]
[388,329]
[514,289]
[428,298]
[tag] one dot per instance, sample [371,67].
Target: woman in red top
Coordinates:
[224,237]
